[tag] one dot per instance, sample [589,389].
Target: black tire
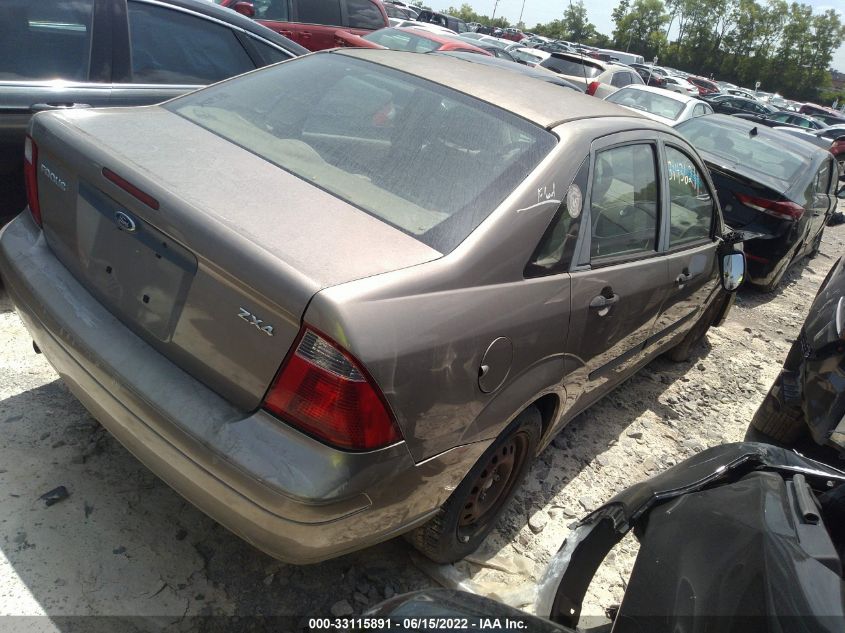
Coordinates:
[682,352]
[449,535]
[784,424]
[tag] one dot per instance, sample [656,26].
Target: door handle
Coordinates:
[39,107]
[683,278]
[603,303]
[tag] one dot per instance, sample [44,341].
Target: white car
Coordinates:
[680,85]
[658,104]
[425,26]
[595,77]
[529,56]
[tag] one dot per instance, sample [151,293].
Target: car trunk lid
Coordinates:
[216,278]
[735,188]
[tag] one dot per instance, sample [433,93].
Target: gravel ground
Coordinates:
[123,544]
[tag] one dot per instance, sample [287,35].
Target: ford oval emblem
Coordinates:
[124,222]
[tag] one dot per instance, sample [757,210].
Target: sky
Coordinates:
[598,12]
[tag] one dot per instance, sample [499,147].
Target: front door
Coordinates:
[690,229]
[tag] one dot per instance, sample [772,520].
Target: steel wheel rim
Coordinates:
[493,484]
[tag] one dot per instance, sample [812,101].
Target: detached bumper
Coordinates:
[289,495]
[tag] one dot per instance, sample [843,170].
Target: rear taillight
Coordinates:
[782,209]
[30,175]
[591,89]
[325,392]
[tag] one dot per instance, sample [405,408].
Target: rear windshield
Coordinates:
[652,102]
[735,146]
[425,159]
[403,40]
[567,66]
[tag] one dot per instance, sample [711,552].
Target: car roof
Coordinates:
[236,19]
[666,93]
[537,101]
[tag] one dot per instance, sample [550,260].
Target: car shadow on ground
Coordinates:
[122,543]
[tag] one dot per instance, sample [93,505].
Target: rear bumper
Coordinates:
[289,495]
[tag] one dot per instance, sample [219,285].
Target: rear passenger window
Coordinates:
[171,47]
[364,14]
[319,12]
[272,10]
[554,252]
[620,79]
[690,204]
[269,54]
[45,39]
[623,202]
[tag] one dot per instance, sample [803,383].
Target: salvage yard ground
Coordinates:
[123,544]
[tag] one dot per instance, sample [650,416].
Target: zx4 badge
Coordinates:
[250,318]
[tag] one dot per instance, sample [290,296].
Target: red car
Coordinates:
[409,39]
[515,35]
[705,86]
[313,23]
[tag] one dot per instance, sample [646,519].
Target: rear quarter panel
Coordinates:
[422,332]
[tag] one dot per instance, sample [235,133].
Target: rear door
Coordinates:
[53,54]
[822,199]
[162,52]
[689,229]
[620,281]
[315,22]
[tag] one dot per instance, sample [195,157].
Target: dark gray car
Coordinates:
[336,300]
[58,54]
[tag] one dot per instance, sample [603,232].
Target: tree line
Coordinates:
[785,46]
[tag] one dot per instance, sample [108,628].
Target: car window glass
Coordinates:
[364,14]
[171,47]
[623,202]
[690,203]
[783,118]
[619,80]
[430,161]
[567,66]
[554,251]
[319,12]
[272,10]
[45,39]
[821,183]
[270,54]
[402,40]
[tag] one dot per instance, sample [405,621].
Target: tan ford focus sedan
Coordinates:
[353,295]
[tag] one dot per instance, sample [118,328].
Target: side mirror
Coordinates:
[733,270]
[245,8]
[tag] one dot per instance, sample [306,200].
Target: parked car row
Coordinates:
[79,54]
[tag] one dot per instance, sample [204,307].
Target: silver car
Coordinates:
[336,300]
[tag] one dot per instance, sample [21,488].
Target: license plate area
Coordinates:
[136,271]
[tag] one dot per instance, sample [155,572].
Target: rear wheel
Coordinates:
[476,504]
[784,424]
